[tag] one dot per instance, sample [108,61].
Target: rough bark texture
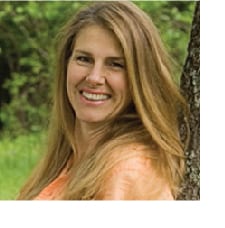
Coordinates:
[190,86]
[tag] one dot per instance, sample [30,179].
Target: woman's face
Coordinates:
[96,76]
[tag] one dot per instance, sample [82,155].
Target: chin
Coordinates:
[95,118]
[92,119]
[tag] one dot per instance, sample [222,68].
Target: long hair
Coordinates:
[150,120]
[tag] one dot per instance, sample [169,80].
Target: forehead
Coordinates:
[95,38]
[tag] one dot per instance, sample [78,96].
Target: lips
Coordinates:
[94,96]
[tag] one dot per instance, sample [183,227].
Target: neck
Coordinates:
[87,135]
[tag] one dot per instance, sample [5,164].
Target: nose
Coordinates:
[96,76]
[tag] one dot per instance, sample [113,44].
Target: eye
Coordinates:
[116,64]
[83,60]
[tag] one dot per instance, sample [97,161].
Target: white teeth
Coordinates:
[95,97]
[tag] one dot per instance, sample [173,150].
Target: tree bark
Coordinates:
[190,87]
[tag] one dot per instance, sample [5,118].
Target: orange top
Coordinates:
[51,192]
[130,179]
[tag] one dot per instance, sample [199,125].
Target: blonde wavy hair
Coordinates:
[151,119]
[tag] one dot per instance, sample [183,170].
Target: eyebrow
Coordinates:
[90,54]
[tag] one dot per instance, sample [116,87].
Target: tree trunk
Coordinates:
[190,86]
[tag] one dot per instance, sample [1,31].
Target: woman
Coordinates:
[114,126]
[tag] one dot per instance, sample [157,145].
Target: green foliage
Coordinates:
[173,20]
[18,157]
[27,31]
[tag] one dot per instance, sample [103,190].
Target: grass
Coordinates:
[17,158]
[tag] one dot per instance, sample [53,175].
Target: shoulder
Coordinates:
[134,177]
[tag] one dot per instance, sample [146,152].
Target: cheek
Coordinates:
[71,81]
[120,84]
[126,90]
[70,74]
[75,74]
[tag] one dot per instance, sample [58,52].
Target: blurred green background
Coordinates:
[27,31]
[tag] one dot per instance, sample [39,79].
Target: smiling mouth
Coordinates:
[94,96]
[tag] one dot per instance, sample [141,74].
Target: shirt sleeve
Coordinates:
[134,179]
